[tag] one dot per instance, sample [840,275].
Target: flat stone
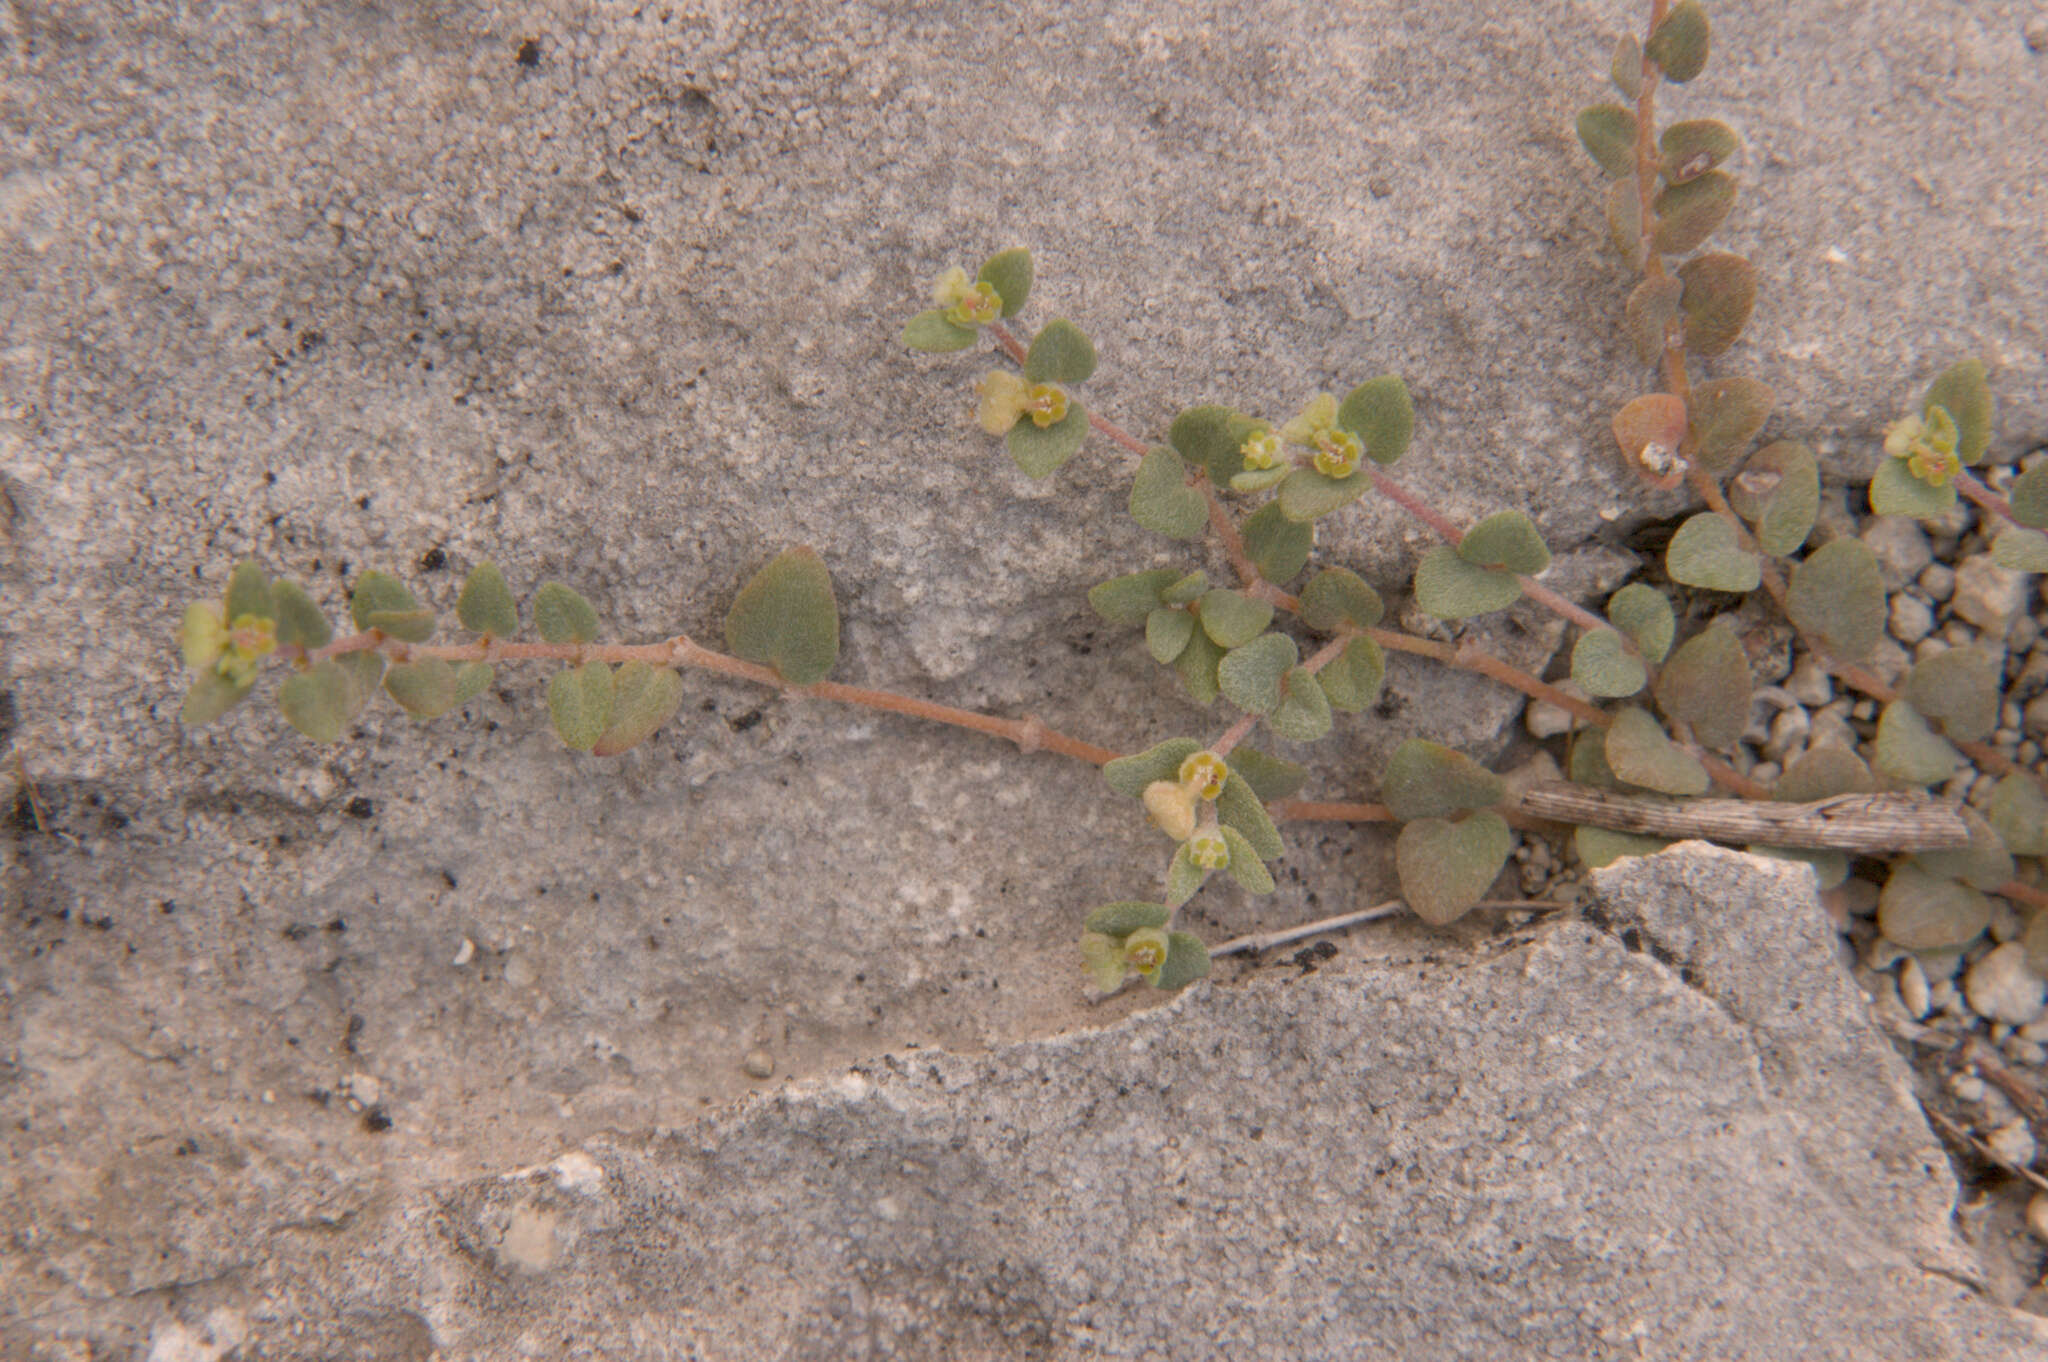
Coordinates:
[1901,548]
[1988,595]
[2000,987]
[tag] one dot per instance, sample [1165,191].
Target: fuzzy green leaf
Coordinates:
[1603,666]
[563,616]
[1040,450]
[1822,773]
[1506,541]
[1895,491]
[1167,632]
[934,334]
[1059,353]
[1308,495]
[1445,868]
[1837,596]
[1183,877]
[1259,479]
[580,704]
[1198,667]
[1186,590]
[486,605]
[1450,588]
[1277,546]
[1187,960]
[381,601]
[248,594]
[1652,305]
[300,623]
[1121,919]
[1688,213]
[1424,779]
[1130,775]
[1270,777]
[787,618]
[1129,599]
[1009,274]
[1830,868]
[1238,807]
[1983,864]
[1626,69]
[1725,416]
[1924,912]
[644,697]
[1704,553]
[424,688]
[1587,764]
[2028,496]
[1304,712]
[1963,391]
[1679,44]
[1608,132]
[1719,292]
[1161,499]
[2019,810]
[1706,684]
[1245,866]
[1352,680]
[211,696]
[1212,438]
[1641,753]
[1601,847]
[1643,613]
[471,680]
[1625,220]
[1691,147]
[1251,675]
[1380,412]
[1335,597]
[2021,550]
[1958,691]
[321,700]
[1778,493]
[1908,750]
[1234,619]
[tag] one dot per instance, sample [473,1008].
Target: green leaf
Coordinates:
[381,601]
[2021,550]
[1199,667]
[1679,44]
[1706,684]
[1704,553]
[1830,868]
[1603,666]
[1382,415]
[1778,493]
[1962,390]
[1167,632]
[562,616]
[1652,306]
[1239,808]
[1587,764]
[1644,614]
[2019,811]
[1307,495]
[1270,777]
[211,696]
[1958,691]
[1009,274]
[1245,866]
[1251,675]
[1304,712]
[1277,546]
[1059,353]
[1507,541]
[1187,960]
[1450,588]
[1212,438]
[424,689]
[1626,70]
[933,333]
[1040,450]
[1688,213]
[1335,597]
[580,704]
[1445,868]
[1601,847]
[1259,479]
[1895,491]
[2028,496]
[248,594]
[1130,775]
[644,697]
[1726,414]
[1130,599]
[1822,773]
[1183,877]
[1424,779]
[1720,290]
[1908,750]
[787,618]
[1121,919]
[300,623]
[1983,864]
[321,700]
[486,606]
[1691,147]
[1639,752]
[1352,680]
[1185,590]
[1161,499]
[1924,912]
[1234,619]
[1608,132]
[1104,961]
[1625,219]
[471,679]
[1836,595]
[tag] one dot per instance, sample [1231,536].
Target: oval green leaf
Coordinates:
[248,593]
[1836,595]
[1336,597]
[1009,274]
[1450,588]
[1187,960]
[1424,779]
[1608,132]
[1963,391]
[1705,553]
[1895,491]
[1603,665]
[1352,680]
[1251,676]
[1706,684]
[1908,750]
[1924,912]
[1445,868]
[1308,495]
[1059,353]
[300,623]
[1234,619]
[1691,147]
[563,616]
[787,618]
[1652,306]
[1958,691]
[1130,775]
[1278,547]
[1688,213]
[1303,714]
[1507,541]
[1380,413]
[1129,599]
[580,704]
[1679,44]
[644,697]
[1778,493]
[1161,499]
[1640,752]
[1642,612]
[1040,450]
[934,334]
[486,606]
[1718,292]
[1167,632]
[1726,415]
[1238,807]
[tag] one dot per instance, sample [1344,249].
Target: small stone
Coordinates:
[2025,630]
[1857,897]
[1810,683]
[363,1088]
[2020,1050]
[1883,954]
[1788,732]
[2001,987]
[2012,1142]
[1913,988]
[2035,717]
[2035,31]
[1901,548]
[1968,1088]
[759,1064]
[1987,595]
[1890,661]
[1912,618]
[1766,772]
[1830,727]
[1545,720]
[1939,581]
[2037,1211]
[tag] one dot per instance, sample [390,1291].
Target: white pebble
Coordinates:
[1810,684]
[1988,595]
[1900,546]
[759,1064]
[1968,1088]
[464,953]
[2012,1142]
[2037,1216]
[1938,581]
[1911,619]
[1913,988]
[1788,731]
[2001,987]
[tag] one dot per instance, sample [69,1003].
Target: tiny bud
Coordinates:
[1172,807]
[1209,851]
[1261,451]
[1047,404]
[1145,950]
[1204,773]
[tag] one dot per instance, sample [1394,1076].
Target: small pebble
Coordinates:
[1911,619]
[1889,661]
[2037,1216]
[1544,720]
[2000,987]
[1968,1088]
[1987,595]
[1883,954]
[1788,732]
[1765,772]
[759,1064]
[1938,581]
[2021,1051]
[1810,683]
[1913,988]
[2035,717]
[2012,1142]
[1901,548]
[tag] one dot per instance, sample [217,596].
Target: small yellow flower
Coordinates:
[1337,453]
[966,302]
[1928,445]
[1145,950]
[1047,403]
[248,640]
[1208,850]
[1172,807]
[1319,415]
[1204,773]
[1261,450]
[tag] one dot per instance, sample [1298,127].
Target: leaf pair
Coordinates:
[1483,573]
[1452,844]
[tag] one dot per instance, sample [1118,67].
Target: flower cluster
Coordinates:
[1333,451]
[233,650]
[1003,399]
[1928,445]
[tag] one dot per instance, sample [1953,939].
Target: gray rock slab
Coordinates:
[1674,1134]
